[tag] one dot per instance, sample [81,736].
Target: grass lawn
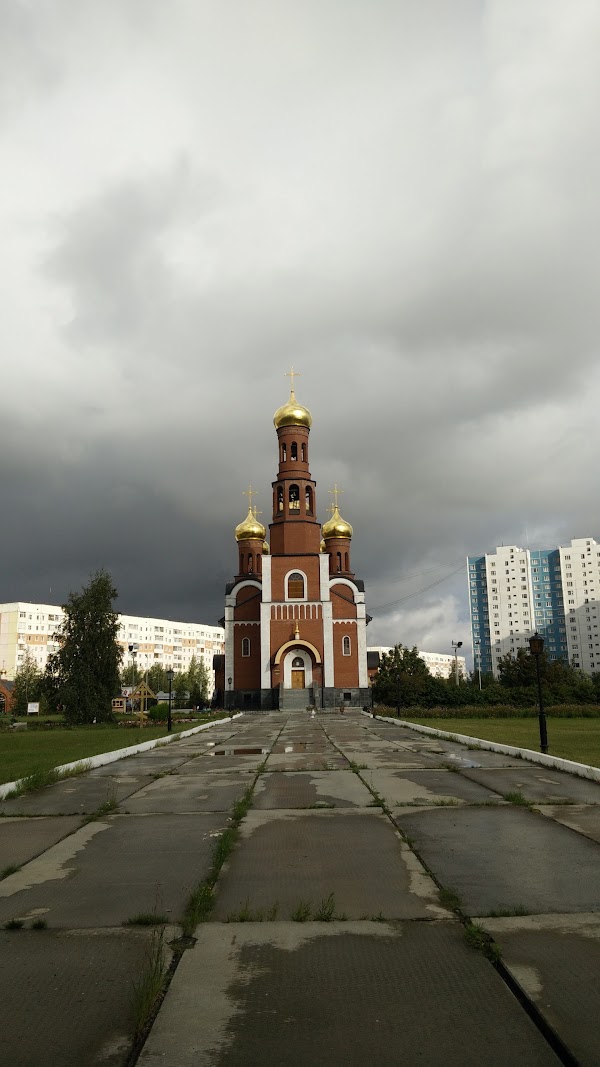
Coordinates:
[576,739]
[22,752]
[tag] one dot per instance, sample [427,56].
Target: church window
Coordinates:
[339,562]
[295,586]
[250,563]
[245,646]
[283,453]
[294,498]
[309,499]
[280,498]
[297,662]
[347,561]
[345,646]
[304,453]
[294,451]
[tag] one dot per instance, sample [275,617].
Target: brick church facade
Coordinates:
[295,619]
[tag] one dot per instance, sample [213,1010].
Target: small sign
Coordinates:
[33,709]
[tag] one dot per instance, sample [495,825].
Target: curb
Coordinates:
[581,770]
[121,753]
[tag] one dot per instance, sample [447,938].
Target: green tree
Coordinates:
[28,685]
[157,679]
[197,683]
[402,679]
[180,691]
[84,673]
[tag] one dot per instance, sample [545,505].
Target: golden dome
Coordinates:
[266,548]
[323,546]
[292,414]
[250,527]
[336,526]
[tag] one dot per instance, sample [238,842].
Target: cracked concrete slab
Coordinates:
[309,789]
[504,857]
[340,993]
[22,839]
[584,818]
[110,870]
[538,784]
[74,796]
[556,961]
[285,857]
[187,793]
[427,786]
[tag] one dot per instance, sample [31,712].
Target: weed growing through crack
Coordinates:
[11,869]
[325,913]
[39,924]
[477,937]
[517,798]
[450,900]
[379,918]
[505,913]
[149,985]
[14,924]
[39,779]
[105,809]
[147,918]
[302,912]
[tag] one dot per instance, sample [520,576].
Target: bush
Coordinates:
[159,713]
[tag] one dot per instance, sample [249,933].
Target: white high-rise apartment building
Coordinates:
[439,664]
[514,592]
[32,628]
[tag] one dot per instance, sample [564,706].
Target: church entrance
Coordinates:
[297,673]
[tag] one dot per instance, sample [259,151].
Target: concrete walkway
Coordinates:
[377,877]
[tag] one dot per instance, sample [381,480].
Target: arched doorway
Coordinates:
[298,675]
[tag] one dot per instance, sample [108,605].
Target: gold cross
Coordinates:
[291,374]
[249,492]
[335,492]
[255,511]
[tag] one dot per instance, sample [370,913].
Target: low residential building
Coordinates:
[439,664]
[33,629]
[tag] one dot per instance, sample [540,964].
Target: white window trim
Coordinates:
[296,599]
[344,639]
[246,655]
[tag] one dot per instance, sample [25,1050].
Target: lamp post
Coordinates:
[536,647]
[456,645]
[170,674]
[229,681]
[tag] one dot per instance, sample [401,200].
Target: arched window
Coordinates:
[309,499]
[294,451]
[280,498]
[295,586]
[345,646]
[249,563]
[304,453]
[297,662]
[245,646]
[294,498]
[283,452]
[339,562]
[347,561]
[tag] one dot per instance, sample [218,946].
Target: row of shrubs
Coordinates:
[498,711]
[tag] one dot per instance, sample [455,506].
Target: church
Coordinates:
[295,619]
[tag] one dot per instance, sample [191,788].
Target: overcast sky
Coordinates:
[400,197]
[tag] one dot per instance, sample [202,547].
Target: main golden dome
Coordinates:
[292,414]
[336,526]
[250,528]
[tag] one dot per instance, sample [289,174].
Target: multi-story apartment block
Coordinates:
[438,664]
[514,592]
[32,629]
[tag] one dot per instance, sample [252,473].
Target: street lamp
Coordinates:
[456,645]
[229,681]
[536,647]
[170,674]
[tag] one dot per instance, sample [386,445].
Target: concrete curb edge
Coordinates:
[121,753]
[581,770]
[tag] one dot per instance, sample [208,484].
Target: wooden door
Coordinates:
[297,678]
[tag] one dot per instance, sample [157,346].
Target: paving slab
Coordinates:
[340,993]
[285,857]
[583,818]
[243,765]
[423,786]
[281,761]
[556,961]
[503,857]
[66,998]
[462,756]
[187,793]
[538,784]
[22,839]
[73,796]
[115,868]
[310,789]
[393,760]
[148,763]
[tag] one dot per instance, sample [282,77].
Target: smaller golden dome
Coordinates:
[323,546]
[266,548]
[336,526]
[292,414]
[250,528]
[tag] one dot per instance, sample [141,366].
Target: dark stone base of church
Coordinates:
[330,699]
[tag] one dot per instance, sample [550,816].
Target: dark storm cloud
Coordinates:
[400,200]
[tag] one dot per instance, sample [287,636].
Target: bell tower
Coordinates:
[294,528]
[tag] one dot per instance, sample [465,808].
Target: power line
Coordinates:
[383,607]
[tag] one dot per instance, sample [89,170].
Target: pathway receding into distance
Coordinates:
[391,899]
